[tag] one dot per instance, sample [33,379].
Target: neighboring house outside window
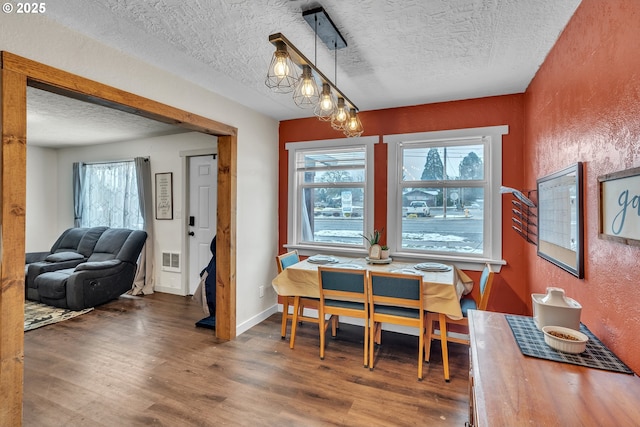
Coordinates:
[444,195]
[330,194]
[110,196]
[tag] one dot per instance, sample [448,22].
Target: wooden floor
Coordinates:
[140,361]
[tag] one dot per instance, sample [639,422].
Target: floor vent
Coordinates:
[171,261]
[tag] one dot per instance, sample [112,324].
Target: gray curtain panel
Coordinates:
[78,179]
[144,280]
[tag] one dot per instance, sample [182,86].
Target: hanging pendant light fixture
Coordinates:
[327,106]
[283,73]
[305,89]
[306,93]
[353,127]
[340,115]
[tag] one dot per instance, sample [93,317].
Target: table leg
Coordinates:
[443,342]
[294,321]
[285,316]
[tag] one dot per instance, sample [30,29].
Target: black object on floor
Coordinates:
[207,322]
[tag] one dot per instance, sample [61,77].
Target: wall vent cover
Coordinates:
[171,261]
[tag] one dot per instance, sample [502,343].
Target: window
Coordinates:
[330,199]
[110,196]
[446,202]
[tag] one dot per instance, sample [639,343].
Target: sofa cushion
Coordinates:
[88,242]
[109,244]
[63,256]
[53,284]
[69,240]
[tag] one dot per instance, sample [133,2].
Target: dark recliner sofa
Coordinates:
[106,274]
[74,246]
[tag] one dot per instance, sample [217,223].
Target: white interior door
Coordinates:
[203,191]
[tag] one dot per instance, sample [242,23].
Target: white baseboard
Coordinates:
[258,318]
[167,290]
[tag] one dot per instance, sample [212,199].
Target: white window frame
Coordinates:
[294,216]
[492,227]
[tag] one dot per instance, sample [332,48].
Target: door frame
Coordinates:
[15,75]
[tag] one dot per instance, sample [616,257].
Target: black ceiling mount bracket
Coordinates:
[325,29]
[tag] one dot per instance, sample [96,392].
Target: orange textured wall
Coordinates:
[511,293]
[584,105]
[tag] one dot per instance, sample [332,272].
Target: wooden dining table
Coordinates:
[443,289]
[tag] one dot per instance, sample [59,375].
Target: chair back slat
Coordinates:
[287,260]
[346,280]
[396,286]
[486,284]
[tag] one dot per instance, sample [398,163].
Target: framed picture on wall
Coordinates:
[164,195]
[619,201]
[560,219]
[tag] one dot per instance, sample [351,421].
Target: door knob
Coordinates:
[191,233]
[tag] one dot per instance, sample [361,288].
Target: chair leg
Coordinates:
[294,321]
[443,342]
[372,344]
[420,353]
[334,325]
[366,342]
[285,316]
[322,325]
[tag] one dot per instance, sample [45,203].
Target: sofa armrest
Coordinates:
[32,257]
[98,265]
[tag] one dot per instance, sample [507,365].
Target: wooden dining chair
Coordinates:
[443,321]
[398,299]
[343,292]
[283,261]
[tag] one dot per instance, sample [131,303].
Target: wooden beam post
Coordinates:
[13,161]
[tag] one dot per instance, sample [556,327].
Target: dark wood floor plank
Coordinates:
[141,361]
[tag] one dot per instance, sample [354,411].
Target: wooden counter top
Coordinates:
[510,389]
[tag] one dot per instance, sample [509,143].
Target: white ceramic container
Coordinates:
[554,308]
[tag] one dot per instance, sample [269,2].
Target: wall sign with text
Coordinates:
[164,195]
[620,206]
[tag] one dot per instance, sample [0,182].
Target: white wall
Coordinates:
[42,199]
[37,38]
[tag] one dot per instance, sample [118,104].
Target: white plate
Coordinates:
[322,259]
[379,261]
[407,271]
[353,266]
[432,266]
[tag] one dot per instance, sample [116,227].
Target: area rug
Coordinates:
[37,315]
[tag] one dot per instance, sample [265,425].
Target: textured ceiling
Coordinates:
[400,52]
[58,121]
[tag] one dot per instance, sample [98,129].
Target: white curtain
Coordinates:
[110,193]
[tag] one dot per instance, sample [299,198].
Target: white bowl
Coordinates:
[566,345]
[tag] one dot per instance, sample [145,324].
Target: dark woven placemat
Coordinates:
[531,343]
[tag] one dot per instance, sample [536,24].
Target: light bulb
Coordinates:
[341,115]
[307,87]
[281,69]
[326,103]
